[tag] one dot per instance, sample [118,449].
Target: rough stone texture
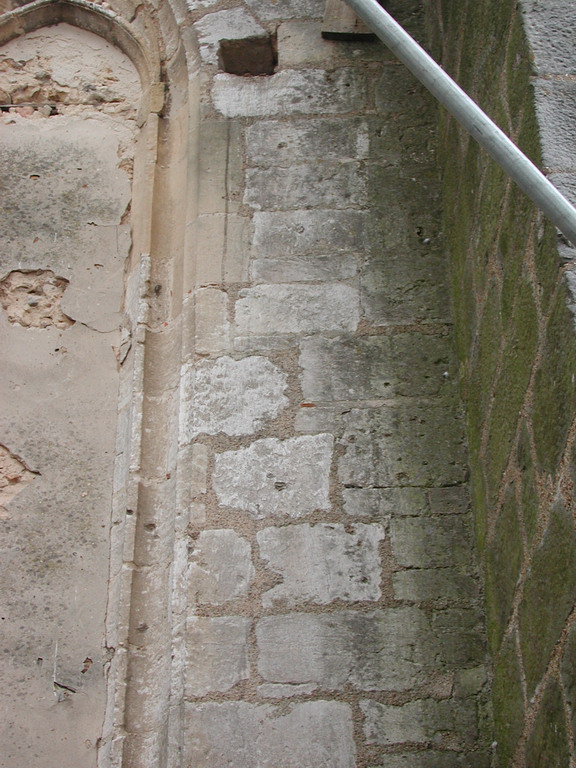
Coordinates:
[418,721]
[232,396]
[221,568]
[380,366]
[403,445]
[392,649]
[276,477]
[269,309]
[514,320]
[14,477]
[290,92]
[308,232]
[321,563]
[383,502]
[217,653]
[431,542]
[33,299]
[315,734]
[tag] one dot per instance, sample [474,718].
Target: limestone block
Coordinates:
[290,92]
[390,649]
[401,444]
[276,477]
[408,364]
[288,9]
[217,655]
[199,469]
[280,144]
[314,185]
[426,542]
[304,267]
[556,107]
[384,502]
[294,308]
[418,721]
[305,232]
[405,289]
[453,500]
[434,584]
[315,734]
[321,563]
[212,329]
[221,568]
[231,396]
[232,24]
[221,243]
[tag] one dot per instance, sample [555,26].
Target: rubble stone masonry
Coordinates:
[234,461]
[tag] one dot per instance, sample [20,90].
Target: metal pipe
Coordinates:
[468,113]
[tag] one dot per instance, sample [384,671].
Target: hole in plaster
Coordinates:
[32,298]
[249,56]
[14,476]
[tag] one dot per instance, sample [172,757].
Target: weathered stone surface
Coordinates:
[548,28]
[306,232]
[231,396]
[271,143]
[212,328]
[288,9]
[508,701]
[217,653]
[316,734]
[221,568]
[33,298]
[453,500]
[401,289]
[232,24]
[548,742]
[315,185]
[14,477]
[306,267]
[290,92]
[378,366]
[556,107]
[418,721]
[323,562]
[199,468]
[433,759]
[403,445]
[434,584]
[384,502]
[269,309]
[276,477]
[548,594]
[431,542]
[391,649]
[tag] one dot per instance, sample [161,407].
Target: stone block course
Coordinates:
[419,721]
[297,308]
[221,567]
[290,92]
[390,649]
[431,542]
[403,445]
[370,367]
[276,477]
[217,653]
[321,563]
[231,396]
[274,143]
[316,734]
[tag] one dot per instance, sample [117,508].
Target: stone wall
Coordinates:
[512,283]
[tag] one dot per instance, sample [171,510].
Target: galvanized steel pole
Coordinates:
[468,113]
